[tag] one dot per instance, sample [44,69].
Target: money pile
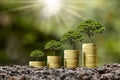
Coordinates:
[71,58]
[53,61]
[89,55]
[36,63]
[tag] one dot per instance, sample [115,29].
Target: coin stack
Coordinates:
[36,63]
[71,58]
[89,55]
[54,61]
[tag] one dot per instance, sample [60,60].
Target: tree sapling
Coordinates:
[53,46]
[90,27]
[37,55]
[72,37]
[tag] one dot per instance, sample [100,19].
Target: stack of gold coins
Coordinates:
[36,63]
[71,58]
[89,55]
[53,61]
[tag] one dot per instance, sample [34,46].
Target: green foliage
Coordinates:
[36,54]
[90,27]
[72,37]
[53,45]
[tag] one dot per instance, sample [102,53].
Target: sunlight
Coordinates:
[55,16]
[50,7]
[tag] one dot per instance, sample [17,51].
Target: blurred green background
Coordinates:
[26,25]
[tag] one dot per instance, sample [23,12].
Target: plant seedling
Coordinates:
[37,54]
[90,27]
[53,46]
[72,37]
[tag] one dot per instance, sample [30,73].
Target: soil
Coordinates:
[17,72]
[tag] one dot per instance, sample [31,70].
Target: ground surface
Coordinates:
[16,72]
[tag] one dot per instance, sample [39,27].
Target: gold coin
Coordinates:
[71,53]
[90,59]
[90,65]
[89,50]
[71,66]
[88,45]
[54,65]
[54,59]
[90,54]
[71,62]
[90,62]
[36,63]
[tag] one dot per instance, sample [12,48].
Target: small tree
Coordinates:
[90,27]
[53,46]
[37,55]
[72,37]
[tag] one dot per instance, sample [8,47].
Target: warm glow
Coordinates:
[50,7]
[56,16]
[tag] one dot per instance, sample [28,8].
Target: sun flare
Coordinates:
[50,7]
[55,16]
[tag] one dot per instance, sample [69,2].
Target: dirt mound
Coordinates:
[17,72]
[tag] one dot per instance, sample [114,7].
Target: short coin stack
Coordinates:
[89,55]
[36,63]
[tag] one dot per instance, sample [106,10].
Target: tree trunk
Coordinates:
[89,36]
[53,52]
[72,44]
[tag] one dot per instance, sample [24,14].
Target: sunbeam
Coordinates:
[50,7]
[55,16]
[25,7]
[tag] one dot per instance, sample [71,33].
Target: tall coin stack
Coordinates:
[89,55]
